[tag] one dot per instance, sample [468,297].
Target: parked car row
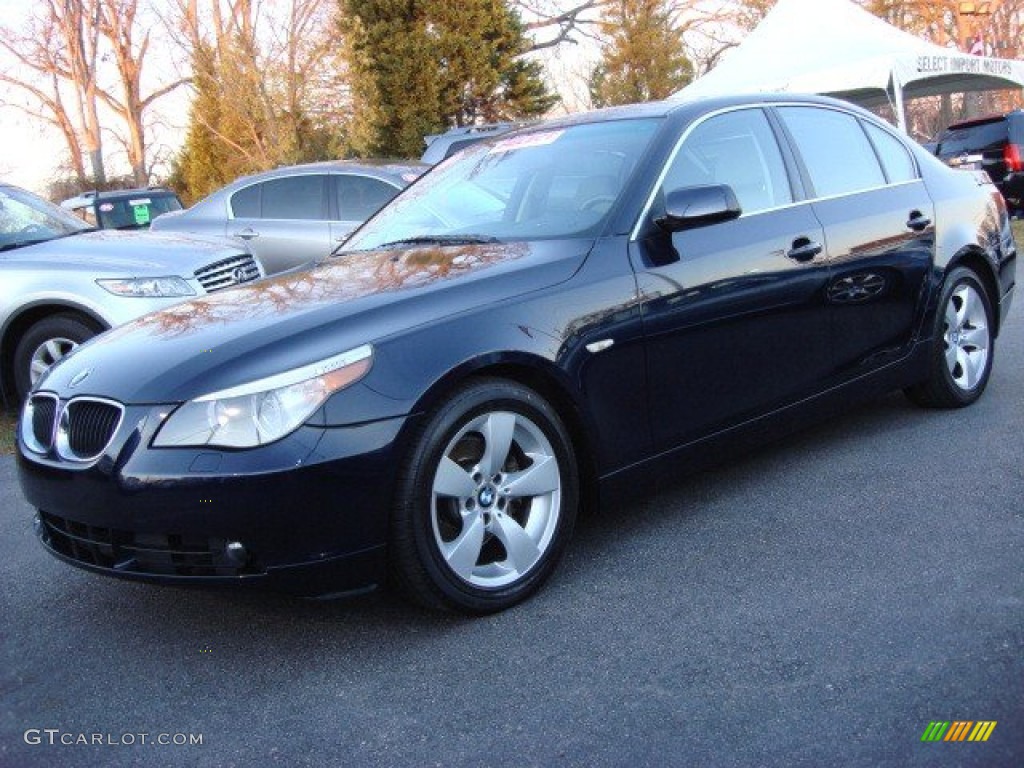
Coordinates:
[62,282]
[544,321]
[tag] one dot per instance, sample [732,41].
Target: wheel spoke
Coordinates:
[974,363]
[974,310]
[453,480]
[952,351]
[540,478]
[497,431]
[975,338]
[53,351]
[37,369]
[951,320]
[522,550]
[463,553]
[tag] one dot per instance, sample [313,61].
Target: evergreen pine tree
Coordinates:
[421,66]
[644,59]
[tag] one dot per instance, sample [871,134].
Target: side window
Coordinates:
[738,149]
[294,197]
[359,197]
[245,203]
[896,160]
[835,150]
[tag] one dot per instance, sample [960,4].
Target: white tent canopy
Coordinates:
[837,48]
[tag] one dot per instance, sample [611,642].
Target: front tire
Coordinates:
[44,345]
[486,502]
[960,361]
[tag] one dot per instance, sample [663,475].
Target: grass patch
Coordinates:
[1018,231]
[7,421]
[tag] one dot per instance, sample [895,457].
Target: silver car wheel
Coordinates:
[46,355]
[496,498]
[966,337]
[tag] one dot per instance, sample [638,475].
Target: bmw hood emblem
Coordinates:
[79,377]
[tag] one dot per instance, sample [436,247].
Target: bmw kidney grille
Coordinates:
[77,430]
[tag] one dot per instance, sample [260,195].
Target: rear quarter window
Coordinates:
[896,160]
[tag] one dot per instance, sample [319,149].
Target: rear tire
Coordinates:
[960,359]
[44,344]
[486,500]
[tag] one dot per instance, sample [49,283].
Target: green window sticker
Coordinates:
[141,213]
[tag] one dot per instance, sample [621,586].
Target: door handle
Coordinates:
[804,249]
[918,221]
[246,234]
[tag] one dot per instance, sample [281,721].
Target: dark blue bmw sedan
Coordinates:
[540,324]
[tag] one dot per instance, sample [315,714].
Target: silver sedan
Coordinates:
[294,215]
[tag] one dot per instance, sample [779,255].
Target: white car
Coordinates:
[62,283]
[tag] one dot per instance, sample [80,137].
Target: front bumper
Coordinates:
[307,514]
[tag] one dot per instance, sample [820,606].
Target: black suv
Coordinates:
[123,208]
[995,144]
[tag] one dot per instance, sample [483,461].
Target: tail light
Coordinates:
[1012,158]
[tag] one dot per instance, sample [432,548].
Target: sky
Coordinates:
[31,151]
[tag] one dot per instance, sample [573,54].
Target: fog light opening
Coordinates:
[236,553]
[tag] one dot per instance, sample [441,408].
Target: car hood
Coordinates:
[128,254]
[274,325]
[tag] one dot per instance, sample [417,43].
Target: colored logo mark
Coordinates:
[958,730]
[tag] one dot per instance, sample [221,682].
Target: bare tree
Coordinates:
[119,25]
[60,47]
[554,22]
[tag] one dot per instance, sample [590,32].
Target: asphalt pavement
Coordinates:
[816,603]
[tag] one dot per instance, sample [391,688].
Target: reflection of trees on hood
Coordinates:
[352,276]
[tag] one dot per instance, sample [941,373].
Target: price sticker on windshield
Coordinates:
[538,139]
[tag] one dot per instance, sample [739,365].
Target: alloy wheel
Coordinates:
[496,499]
[48,354]
[966,337]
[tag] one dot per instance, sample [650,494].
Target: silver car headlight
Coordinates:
[147,287]
[265,410]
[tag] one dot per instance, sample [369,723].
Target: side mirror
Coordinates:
[691,207]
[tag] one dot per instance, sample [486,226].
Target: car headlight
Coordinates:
[147,287]
[265,410]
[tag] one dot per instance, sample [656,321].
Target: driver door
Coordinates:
[733,312]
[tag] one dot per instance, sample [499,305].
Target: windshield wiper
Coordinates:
[20,243]
[441,240]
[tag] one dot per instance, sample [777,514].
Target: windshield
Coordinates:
[540,184]
[27,219]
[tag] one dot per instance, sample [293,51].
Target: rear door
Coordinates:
[879,233]
[734,311]
[283,220]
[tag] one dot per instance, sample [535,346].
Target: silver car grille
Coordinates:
[77,430]
[228,272]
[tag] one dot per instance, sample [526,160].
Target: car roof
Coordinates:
[370,167]
[691,108]
[985,120]
[88,198]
